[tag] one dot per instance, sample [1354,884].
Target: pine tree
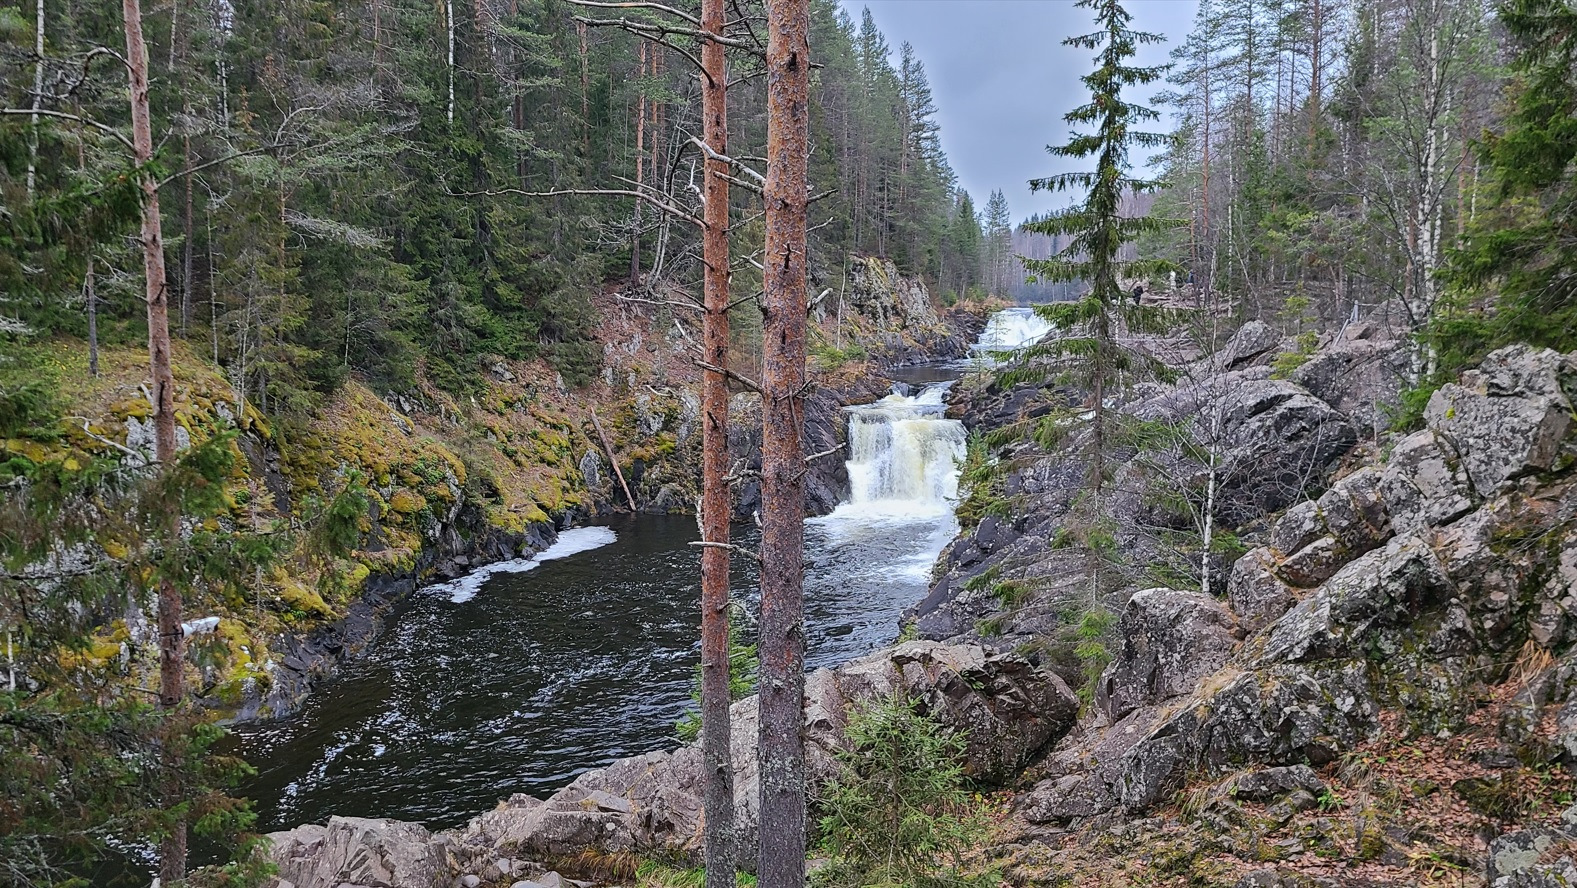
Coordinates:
[998,245]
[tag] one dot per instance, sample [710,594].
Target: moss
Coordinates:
[407,502]
[300,601]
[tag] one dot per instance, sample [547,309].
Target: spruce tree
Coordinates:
[1097,227]
[1522,252]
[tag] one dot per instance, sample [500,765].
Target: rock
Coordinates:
[1509,417]
[1522,860]
[1299,526]
[1170,640]
[373,853]
[468,881]
[1314,563]
[1272,438]
[1278,714]
[1423,484]
[1253,340]
[1256,594]
[1383,589]
[1354,511]
[893,301]
[1274,783]
[1359,377]
[653,803]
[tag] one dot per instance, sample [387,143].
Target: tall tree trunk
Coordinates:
[716,731]
[782,642]
[38,97]
[449,28]
[172,642]
[640,165]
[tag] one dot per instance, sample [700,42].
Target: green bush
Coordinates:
[898,814]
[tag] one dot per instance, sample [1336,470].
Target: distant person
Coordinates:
[1138,292]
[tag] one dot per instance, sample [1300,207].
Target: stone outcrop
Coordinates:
[1394,590]
[651,804]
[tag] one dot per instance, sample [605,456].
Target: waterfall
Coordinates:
[1012,329]
[903,456]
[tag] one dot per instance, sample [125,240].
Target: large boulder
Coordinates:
[1170,640]
[1361,378]
[1509,417]
[361,852]
[1423,483]
[1257,595]
[1272,439]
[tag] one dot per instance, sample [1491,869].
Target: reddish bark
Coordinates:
[721,840]
[782,643]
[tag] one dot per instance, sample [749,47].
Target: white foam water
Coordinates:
[1012,329]
[570,542]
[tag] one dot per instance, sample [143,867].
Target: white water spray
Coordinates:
[903,457]
[1012,329]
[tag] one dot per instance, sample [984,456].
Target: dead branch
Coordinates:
[678,13]
[588,192]
[74,118]
[745,381]
[825,453]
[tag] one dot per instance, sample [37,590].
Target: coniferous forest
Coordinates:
[390,390]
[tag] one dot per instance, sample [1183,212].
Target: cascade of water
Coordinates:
[1011,329]
[903,456]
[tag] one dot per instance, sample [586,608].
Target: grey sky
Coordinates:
[1002,80]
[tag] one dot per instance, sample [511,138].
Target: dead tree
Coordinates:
[172,851]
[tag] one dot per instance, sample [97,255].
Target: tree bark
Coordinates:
[640,166]
[782,642]
[172,856]
[716,730]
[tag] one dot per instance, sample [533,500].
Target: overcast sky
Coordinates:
[1002,80]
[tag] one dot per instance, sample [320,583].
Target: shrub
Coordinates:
[898,814]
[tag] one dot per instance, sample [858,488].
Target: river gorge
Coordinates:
[524,674]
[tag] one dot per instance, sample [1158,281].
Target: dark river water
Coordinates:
[524,680]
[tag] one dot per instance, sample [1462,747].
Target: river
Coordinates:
[523,675]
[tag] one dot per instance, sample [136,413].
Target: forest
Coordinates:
[342,184]
[314,312]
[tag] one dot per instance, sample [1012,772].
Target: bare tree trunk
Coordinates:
[91,292]
[722,841]
[782,643]
[38,96]
[449,27]
[640,165]
[585,91]
[1316,85]
[172,642]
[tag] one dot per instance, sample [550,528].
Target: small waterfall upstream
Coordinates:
[903,478]
[1012,329]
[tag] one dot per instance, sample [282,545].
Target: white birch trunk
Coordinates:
[449,25]
[38,95]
